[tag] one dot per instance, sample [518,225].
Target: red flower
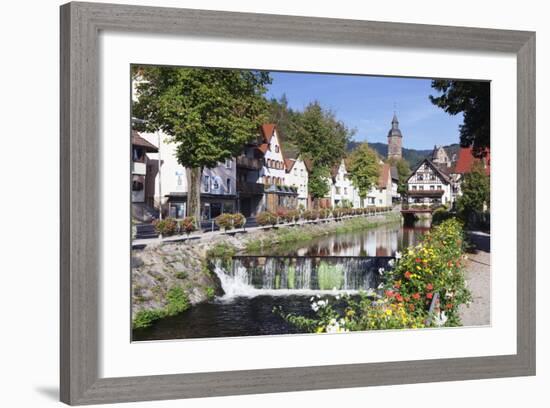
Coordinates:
[408,275]
[449,264]
[449,306]
[416,296]
[399,297]
[429,295]
[429,286]
[417,260]
[389,293]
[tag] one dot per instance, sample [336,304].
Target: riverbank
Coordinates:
[160,267]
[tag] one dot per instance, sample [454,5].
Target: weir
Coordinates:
[281,275]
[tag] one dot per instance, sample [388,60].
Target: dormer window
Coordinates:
[276,148]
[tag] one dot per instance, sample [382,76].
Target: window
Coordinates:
[228,163]
[421,188]
[228,186]
[432,187]
[419,177]
[276,149]
[345,190]
[337,190]
[137,154]
[215,184]
[180,180]
[206,183]
[414,187]
[439,187]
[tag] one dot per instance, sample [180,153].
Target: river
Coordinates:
[286,277]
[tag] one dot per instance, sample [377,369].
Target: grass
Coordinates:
[221,250]
[177,302]
[291,235]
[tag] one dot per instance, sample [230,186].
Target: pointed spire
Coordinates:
[394,122]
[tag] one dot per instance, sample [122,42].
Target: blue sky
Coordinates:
[367,104]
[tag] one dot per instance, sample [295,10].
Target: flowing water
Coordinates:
[286,277]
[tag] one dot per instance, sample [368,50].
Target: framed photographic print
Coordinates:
[261,203]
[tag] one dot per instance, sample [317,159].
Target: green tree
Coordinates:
[320,136]
[364,168]
[317,184]
[475,191]
[285,118]
[209,113]
[473,99]
[403,173]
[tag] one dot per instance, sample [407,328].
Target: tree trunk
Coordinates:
[194,176]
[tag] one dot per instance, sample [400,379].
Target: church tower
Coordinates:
[395,140]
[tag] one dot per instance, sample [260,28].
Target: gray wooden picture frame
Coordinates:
[80,192]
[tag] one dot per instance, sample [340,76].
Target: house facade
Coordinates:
[218,185]
[380,195]
[464,164]
[429,184]
[342,191]
[142,185]
[297,176]
[273,173]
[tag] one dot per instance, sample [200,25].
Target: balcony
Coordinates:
[425,193]
[247,188]
[249,163]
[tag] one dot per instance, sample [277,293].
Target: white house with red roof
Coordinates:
[429,184]
[381,194]
[465,163]
[297,175]
[342,191]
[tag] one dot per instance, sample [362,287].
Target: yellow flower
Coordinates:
[320,329]
[389,312]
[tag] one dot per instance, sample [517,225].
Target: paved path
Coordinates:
[478,276]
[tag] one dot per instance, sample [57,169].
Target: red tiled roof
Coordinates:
[466,160]
[385,173]
[267,131]
[137,140]
[263,148]
[289,163]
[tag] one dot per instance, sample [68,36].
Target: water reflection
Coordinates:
[381,241]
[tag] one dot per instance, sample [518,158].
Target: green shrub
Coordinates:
[144,318]
[188,225]
[210,293]
[439,215]
[221,250]
[166,227]
[310,215]
[238,220]
[225,221]
[266,218]
[177,301]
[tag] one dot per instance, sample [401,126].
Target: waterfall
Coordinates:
[250,276]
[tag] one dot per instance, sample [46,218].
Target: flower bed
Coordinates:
[435,266]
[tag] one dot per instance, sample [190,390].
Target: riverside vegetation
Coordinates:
[183,268]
